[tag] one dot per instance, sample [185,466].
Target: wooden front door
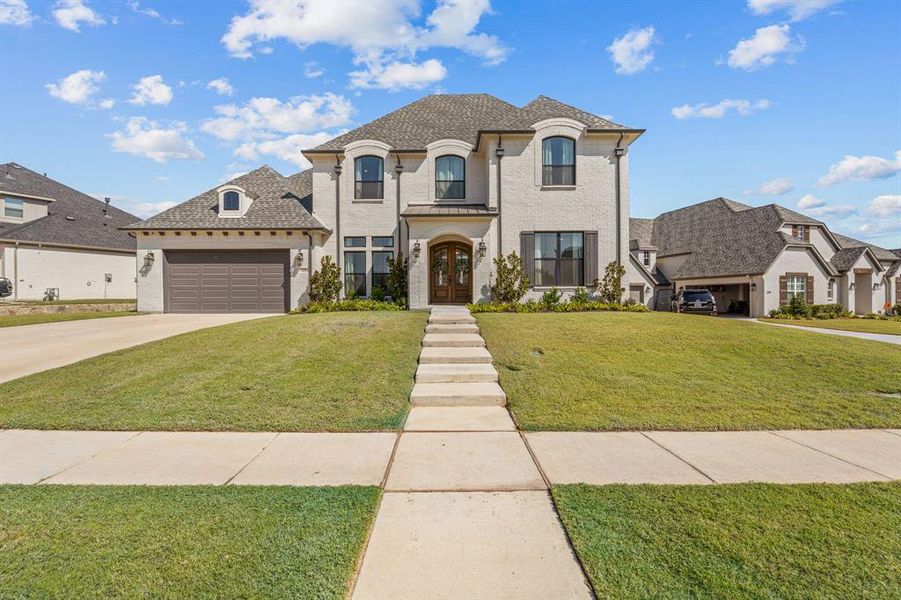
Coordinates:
[450,273]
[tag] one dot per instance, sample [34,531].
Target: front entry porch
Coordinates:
[450,273]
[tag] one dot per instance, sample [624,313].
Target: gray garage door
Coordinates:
[226,281]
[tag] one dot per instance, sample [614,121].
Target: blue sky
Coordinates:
[151,102]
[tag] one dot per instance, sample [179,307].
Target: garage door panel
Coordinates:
[226,281]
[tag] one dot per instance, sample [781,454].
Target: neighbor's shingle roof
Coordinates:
[722,237]
[277,204]
[845,258]
[881,253]
[640,233]
[459,116]
[73,219]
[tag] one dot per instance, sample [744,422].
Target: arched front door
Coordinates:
[450,273]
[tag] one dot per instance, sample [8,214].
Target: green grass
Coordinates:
[737,541]
[328,372]
[621,371]
[36,318]
[181,542]
[890,327]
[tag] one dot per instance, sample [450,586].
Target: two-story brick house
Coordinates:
[450,181]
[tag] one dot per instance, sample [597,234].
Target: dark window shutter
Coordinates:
[590,256]
[807,233]
[527,253]
[898,291]
[795,231]
[783,290]
[810,289]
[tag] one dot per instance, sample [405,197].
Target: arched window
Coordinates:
[450,178]
[231,200]
[558,161]
[369,173]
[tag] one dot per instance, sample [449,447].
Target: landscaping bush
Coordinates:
[378,294]
[609,289]
[551,298]
[580,296]
[533,306]
[511,283]
[325,284]
[798,309]
[397,279]
[348,305]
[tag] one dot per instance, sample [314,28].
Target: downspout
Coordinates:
[618,152]
[338,169]
[16,272]
[398,169]
[499,152]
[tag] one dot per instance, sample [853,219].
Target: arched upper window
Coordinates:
[450,177]
[558,161]
[231,200]
[369,174]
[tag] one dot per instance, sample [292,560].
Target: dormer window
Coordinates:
[800,232]
[231,201]
[646,258]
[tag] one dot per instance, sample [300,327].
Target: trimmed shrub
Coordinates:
[510,283]
[325,284]
[580,296]
[397,279]
[532,306]
[351,304]
[609,289]
[551,298]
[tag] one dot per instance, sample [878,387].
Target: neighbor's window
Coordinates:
[646,258]
[558,259]
[14,208]
[559,161]
[796,285]
[355,242]
[450,178]
[800,232]
[369,175]
[355,274]
[830,285]
[231,201]
[380,261]
[386,241]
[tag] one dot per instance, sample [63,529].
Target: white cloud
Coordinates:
[143,137]
[152,13]
[718,111]
[77,88]
[163,179]
[632,52]
[312,70]
[809,201]
[396,75]
[269,117]
[106,103]
[797,9]
[861,168]
[773,187]
[222,86]
[70,14]
[833,210]
[886,206]
[287,148]
[151,90]
[381,35]
[148,209]
[763,49]
[15,12]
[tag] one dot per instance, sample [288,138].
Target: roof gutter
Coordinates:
[72,246]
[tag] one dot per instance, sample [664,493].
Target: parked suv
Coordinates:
[6,287]
[695,301]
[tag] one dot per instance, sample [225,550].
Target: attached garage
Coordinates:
[226,281]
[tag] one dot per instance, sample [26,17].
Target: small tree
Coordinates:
[325,285]
[610,288]
[511,283]
[397,279]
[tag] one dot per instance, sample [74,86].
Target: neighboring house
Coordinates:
[450,181]
[54,238]
[756,259]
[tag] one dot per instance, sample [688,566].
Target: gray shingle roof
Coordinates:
[459,116]
[73,219]
[722,238]
[460,210]
[640,233]
[278,203]
[845,258]
[881,253]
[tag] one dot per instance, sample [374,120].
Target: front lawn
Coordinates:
[737,541]
[891,327]
[621,371]
[36,318]
[181,542]
[326,372]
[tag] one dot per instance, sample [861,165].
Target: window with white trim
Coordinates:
[231,201]
[646,258]
[830,286]
[14,208]
[796,285]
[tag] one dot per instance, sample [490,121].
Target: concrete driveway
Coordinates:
[32,348]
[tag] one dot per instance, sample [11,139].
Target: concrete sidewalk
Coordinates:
[30,349]
[861,335]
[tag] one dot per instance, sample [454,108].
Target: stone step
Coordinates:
[459,328]
[483,373]
[452,319]
[454,356]
[457,394]
[453,340]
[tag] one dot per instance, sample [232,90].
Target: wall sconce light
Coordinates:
[338,169]
[483,249]
[398,168]
[148,259]
[647,289]
[852,287]
[298,259]
[416,250]
[499,152]
[753,287]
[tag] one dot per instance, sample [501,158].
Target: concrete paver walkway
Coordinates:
[33,348]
